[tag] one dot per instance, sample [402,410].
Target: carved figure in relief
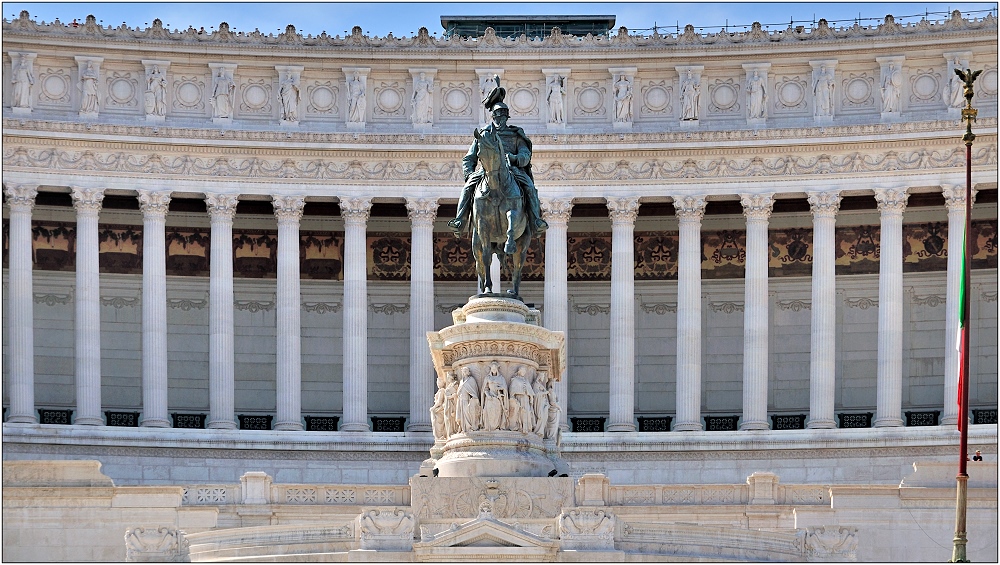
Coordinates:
[541,403]
[756,97]
[421,101]
[356,99]
[554,97]
[891,83]
[623,99]
[494,400]
[155,97]
[469,408]
[438,411]
[89,103]
[288,95]
[23,79]
[823,93]
[555,412]
[521,416]
[690,97]
[451,407]
[222,95]
[954,93]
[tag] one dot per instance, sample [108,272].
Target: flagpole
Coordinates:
[961,535]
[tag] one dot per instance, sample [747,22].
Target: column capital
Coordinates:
[422,211]
[21,197]
[623,210]
[954,196]
[221,206]
[891,200]
[688,208]
[87,199]
[824,204]
[355,211]
[154,203]
[757,206]
[288,208]
[557,210]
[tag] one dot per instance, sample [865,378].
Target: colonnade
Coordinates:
[422,212]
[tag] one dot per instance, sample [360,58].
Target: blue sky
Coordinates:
[405,18]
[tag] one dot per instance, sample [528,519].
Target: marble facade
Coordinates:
[250,271]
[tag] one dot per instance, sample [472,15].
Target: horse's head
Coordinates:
[491,151]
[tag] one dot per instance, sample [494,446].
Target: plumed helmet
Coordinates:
[496,95]
[499,106]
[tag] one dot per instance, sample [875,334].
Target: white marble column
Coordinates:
[20,303]
[954,198]
[154,205]
[88,307]
[556,212]
[422,212]
[355,213]
[288,384]
[221,352]
[623,212]
[757,209]
[823,345]
[889,393]
[689,210]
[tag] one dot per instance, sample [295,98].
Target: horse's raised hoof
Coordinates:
[510,248]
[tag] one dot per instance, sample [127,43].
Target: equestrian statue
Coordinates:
[499,202]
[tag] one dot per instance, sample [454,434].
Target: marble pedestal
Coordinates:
[496,412]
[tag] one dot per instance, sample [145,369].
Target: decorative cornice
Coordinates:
[658,308]
[388,308]
[322,307]
[757,206]
[154,203]
[794,305]
[53,299]
[288,209]
[624,210]
[87,199]
[824,204]
[186,304]
[21,197]
[726,307]
[221,206]
[689,208]
[592,309]
[557,210]
[253,306]
[862,303]
[119,302]
[422,211]
[355,211]
[891,201]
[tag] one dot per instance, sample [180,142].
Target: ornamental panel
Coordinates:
[656,98]
[255,254]
[523,100]
[189,93]
[187,251]
[55,88]
[122,88]
[858,89]
[925,87]
[456,100]
[389,97]
[321,98]
[120,249]
[321,255]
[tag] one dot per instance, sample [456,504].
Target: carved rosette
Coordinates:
[757,207]
[288,209]
[154,203]
[221,206]
[891,201]
[21,197]
[954,196]
[355,211]
[557,210]
[689,208]
[422,211]
[87,200]
[623,210]
[824,204]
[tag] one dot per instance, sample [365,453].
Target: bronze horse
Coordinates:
[499,222]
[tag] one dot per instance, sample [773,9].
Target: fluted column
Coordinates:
[154,205]
[889,393]
[954,198]
[822,356]
[623,212]
[689,210]
[757,209]
[20,302]
[422,212]
[355,213]
[221,352]
[557,212]
[88,307]
[288,385]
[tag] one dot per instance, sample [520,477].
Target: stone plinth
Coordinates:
[496,412]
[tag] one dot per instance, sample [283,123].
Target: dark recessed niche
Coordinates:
[388,210]
[120,203]
[255,207]
[321,209]
[54,199]
[188,205]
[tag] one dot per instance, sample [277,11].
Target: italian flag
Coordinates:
[963,336]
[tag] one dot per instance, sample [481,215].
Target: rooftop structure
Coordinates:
[534,27]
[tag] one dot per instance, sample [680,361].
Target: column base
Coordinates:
[89,421]
[355,428]
[689,427]
[821,424]
[949,421]
[155,423]
[888,423]
[621,427]
[221,425]
[12,419]
[752,426]
[289,426]
[419,427]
